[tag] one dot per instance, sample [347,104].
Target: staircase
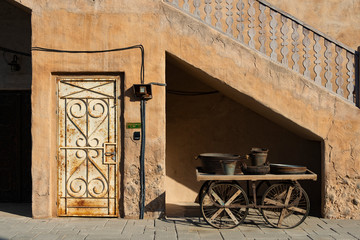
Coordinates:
[282,38]
[284,70]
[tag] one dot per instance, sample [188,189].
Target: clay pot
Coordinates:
[258,156]
[255,170]
[229,166]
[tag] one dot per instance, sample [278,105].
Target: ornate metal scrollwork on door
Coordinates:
[87,147]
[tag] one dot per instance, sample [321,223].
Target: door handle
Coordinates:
[108,154]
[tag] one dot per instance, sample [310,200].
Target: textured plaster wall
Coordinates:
[97,25]
[15,29]
[246,77]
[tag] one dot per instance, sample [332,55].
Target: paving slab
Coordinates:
[25,236]
[46,236]
[142,237]
[276,231]
[254,232]
[320,237]
[133,229]
[309,228]
[171,234]
[114,232]
[107,238]
[269,237]
[22,238]
[305,237]
[232,235]
[149,229]
[355,235]
[115,225]
[295,232]
[188,235]
[164,236]
[326,232]
[38,231]
[73,237]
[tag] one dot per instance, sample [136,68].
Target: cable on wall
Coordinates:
[187,93]
[142,110]
[141,47]
[14,51]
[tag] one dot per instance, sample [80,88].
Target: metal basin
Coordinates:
[211,162]
[287,169]
[256,170]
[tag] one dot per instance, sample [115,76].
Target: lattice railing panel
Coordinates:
[281,37]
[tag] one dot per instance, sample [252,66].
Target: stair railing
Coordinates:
[284,39]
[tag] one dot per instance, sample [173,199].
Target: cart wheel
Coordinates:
[285,205]
[204,188]
[224,205]
[262,187]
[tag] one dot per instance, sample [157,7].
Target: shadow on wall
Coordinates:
[156,205]
[215,123]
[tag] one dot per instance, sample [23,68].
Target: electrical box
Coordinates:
[136,136]
[143,91]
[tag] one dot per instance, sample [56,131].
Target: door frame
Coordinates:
[119,132]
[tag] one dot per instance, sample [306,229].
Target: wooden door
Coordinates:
[88,128]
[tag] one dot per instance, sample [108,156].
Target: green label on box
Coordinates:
[133,125]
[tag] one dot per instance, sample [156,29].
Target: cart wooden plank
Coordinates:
[309,175]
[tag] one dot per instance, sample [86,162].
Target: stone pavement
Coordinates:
[15,223]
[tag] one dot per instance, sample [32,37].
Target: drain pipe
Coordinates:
[144,92]
[142,159]
[357,77]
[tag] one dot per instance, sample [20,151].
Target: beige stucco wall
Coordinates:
[241,74]
[79,26]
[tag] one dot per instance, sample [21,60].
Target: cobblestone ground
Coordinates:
[15,225]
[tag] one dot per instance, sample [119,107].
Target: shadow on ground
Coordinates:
[19,209]
[253,219]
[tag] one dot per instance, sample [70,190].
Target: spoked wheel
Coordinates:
[286,205]
[204,188]
[261,188]
[224,205]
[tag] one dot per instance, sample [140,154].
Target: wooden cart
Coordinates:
[224,204]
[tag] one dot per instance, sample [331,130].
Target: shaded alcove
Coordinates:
[15,101]
[200,123]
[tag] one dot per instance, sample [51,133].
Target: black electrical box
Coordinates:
[143,91]
[136,136]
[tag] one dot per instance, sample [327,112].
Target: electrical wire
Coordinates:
[7,62]
[14,51]
[186,93]
[141,47]
[142,109]
[158,84]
